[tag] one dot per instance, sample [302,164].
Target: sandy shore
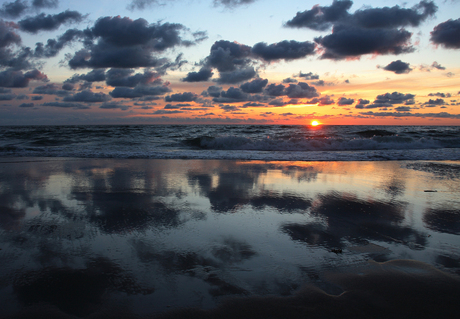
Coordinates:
[224,239]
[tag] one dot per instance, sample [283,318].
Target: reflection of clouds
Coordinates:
[10,218]
[75,291]
[282,202]
[440,170]
[348,217]
[443,220]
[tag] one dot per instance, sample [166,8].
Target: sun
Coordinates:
[314,123]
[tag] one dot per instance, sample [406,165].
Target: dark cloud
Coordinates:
[443,115]
[49,22]
[167,112]
[50,89]
[7,35]
[45,3]
[213,91]
[139,91]
[37,98]
[393,98]
[301,90]
[255,86]
[112,106]
[237,76]
[27,105]
[275,90]
[290,80]
[4,90]
[116,42]
[361,104]
[440,94]
[203,75]
[143,4]
[232,95]
[438,66]
[398,67]
[284,50]
[125,77]
[345,101]
[67,86]
[13,9]
[325,100]
[97,75]
[324,17]
[321,17]
[87,97]
[182,97]
[7,97]
[66,105]
[308,76]
[53,46]
[447,34]
[232,3]
[433,103]
[348,42]
[17,79]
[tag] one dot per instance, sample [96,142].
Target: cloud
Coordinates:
[275,90]
[344,101]
[45,3]
[284,50]
[97,75]
[124,77]
[290,80]
[237,76]
[393,98]
[443,115]
[50,89]
[49,22]
[13,9]
[321,18]
[301,90]
[232,95]
[204,74]
[115,42]
[398,67]
[447,34]
[308,76]
[182,97]
[255,86]
[361,104]
[139,91]
[440,94]
[346,42]
[167,112]
[213,91]
[53,46]
[143,4]
[76,106]
[27,105]
[232,3]
[438,66]
[112,106]
[402,109]
[17,79]
[87,97]
[7,97]
[433,103]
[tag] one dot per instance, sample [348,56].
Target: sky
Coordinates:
[339,62]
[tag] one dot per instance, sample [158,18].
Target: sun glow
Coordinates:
[314,123]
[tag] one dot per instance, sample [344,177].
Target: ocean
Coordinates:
[247,142]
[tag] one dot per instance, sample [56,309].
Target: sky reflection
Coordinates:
[162,234]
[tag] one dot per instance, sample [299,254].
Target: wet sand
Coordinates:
[97,238]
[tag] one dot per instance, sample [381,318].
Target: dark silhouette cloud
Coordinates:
[45,3]
[181,97]
[139,91]
[284,50]
[344,101]
[321,17]
[237,76]
[26,105]
[438,66]
[362,103]
[255,86]
[232,95]
[112,106]
[232,3]
[13,9]
[204,74]
[115,42]
[77,106]
[213,91]
[50,89]
[398,67]
[324,17]
[393,98]
[88,97]
[308,76]
[433,103]
[143,4]
[97,75]
[7,35]
[301,90]
[18,79]
[347,42]
[54,46]
[447,34]
[125,77]
[7,97]
[440,115]
[440,94]
[275,90]
[49,22]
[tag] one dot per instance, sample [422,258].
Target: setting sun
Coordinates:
[314,123]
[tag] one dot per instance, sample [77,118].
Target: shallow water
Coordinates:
[147,236]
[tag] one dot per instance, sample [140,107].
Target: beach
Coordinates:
[213,238]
